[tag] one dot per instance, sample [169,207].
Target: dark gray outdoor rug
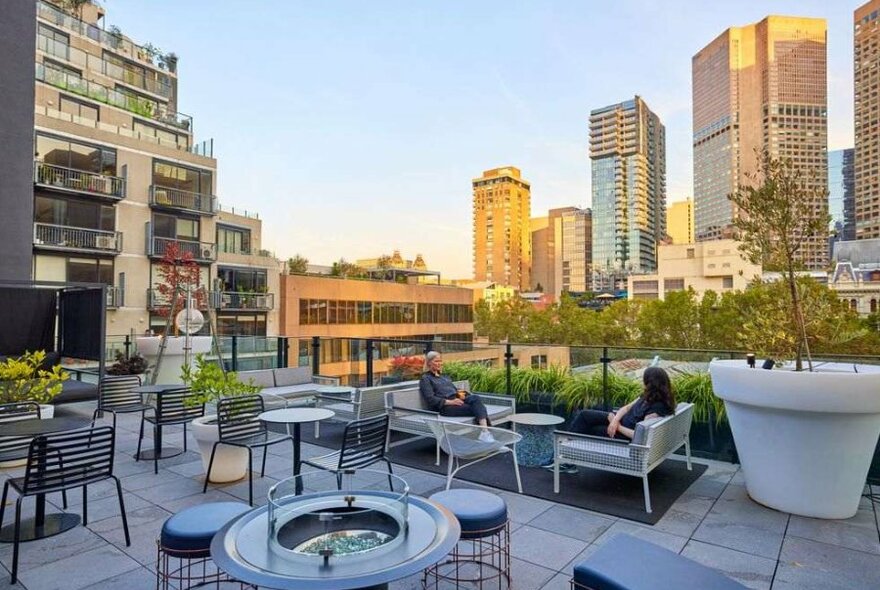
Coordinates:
[600,491]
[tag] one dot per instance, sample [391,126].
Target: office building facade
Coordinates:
[628,169]
[866,78]
[841,194]
[680,222]
[759,87]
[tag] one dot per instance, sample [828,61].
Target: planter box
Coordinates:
[173,357]
[805,440]
[230,463]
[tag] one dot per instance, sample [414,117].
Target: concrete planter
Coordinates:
[172,359]
[805,440]
[230,463]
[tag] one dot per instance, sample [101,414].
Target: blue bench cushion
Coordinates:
[627,563]
[479,513]
[189,532]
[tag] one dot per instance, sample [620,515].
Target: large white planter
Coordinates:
[230,463]
[174,355]
[805,440]
[46,411]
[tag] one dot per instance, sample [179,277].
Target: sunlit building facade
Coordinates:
[866,29]
[759,87]
[576,254]
[628,168]
[680,222]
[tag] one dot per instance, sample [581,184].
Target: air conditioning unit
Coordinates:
[207,254]
[106,242]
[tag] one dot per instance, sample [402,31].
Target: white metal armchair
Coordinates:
[461,442]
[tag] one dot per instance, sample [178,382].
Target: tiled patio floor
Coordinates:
[714,522]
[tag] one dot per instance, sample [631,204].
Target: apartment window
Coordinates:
[241,324]
[727,282]
[73,269]
[53,35]
[162,136]
[233,240]
[74,213]
[77,108]
[673,285]
[76,155]
[690,253]
[175,228]
[539,361]
[182,178]
[645,286]
[243,280]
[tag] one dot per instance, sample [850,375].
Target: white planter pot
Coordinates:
[46,411]
[174,355]
[805,440]
[230,463]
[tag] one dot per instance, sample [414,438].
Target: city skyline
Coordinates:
[408,136]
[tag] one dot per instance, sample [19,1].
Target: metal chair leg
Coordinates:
[210,466]
[250,476]
[390,473]
[137,455]
[15,540]
[156,448]
[122,511]
[184,437]
[85,505]
[647,494]
[263,469]
[3,501]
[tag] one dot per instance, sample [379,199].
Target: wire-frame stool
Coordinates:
[181,570]
[481,559]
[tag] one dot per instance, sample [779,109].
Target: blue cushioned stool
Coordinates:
[483,554]
[184,546]
[628,563]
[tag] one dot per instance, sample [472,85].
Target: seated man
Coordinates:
[441,395]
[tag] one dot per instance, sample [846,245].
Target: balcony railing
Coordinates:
[115,297]
[70,179]
[233,300]
[87,61]
[173,198]
[140,106]
[116,42]
[157,300]
[200,251]
[63,237]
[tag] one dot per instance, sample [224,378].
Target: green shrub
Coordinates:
[209,384]
[22,379]
[696,388]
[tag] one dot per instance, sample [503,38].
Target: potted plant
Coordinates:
[805,438]
[404,368]
[209,384]
[132,365]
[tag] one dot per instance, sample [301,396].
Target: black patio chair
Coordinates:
[115,395]
[59,462]
[240,426]
[173,407]
[363,444]
[14,448]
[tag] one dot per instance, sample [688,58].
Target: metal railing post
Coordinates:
[316,355]
[508,367]
[369,362]
[235,353]
[429,346]
[605,360]
[127,346]
[279,352]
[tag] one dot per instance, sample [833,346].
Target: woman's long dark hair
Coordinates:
[658,388]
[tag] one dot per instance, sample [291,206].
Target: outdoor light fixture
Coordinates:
[750,359]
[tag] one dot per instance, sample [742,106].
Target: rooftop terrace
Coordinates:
[713,522]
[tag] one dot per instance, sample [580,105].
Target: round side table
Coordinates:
[536,446]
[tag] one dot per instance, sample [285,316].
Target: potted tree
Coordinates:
[805,438]
[209,384]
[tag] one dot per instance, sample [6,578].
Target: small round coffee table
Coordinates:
[536,446]
[296,416]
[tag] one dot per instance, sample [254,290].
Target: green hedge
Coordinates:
[585,389]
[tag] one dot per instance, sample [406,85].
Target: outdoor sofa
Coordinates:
[289,383]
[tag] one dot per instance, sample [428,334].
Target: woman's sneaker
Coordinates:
[563,467]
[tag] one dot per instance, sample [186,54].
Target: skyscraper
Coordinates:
[866,79]
[542,270]
[575,252]
[680,221]
[841,194]
[628,153]
[761,86]
[502,236]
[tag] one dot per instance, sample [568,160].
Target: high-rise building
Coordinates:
[114,159]
[841,194]
[502,235]
[542,269]
[761,86]
[680,221]
[866,79]
[575,253]
[628,154]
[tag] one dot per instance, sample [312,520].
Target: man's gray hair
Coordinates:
[430,357]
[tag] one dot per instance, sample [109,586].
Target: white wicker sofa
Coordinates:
[407,411]
[290,383]
[362,402]
[653,441]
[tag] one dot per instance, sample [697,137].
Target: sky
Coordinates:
[355,128]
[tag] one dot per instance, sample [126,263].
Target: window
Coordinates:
[243,280]
[727,282]
[56,37]
[162,136]
[175,228]
[233,240]
[74,213]
[690,253]
[72,154]
[539,361]
[673,285]
[73,269]
[178,177]
[78,109]
[241,324]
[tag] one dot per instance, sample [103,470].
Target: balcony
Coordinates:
[202,252]
[115,297]
[76,239]
[234,300]
[156,300]
[153,110]
[181,200]
[78,181]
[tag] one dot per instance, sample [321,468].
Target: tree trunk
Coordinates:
[800,326]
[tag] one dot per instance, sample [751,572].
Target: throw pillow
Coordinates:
[640,436]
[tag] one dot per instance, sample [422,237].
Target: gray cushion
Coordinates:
[293,391]
[478,512]
[261,378]
[75,391]
[409,398]
[293,376]
[640,435]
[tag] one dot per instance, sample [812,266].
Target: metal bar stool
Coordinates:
[481,559]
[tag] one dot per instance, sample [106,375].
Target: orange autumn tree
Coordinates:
[178,271]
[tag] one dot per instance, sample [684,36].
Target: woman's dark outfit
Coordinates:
[436,389]
[595,422]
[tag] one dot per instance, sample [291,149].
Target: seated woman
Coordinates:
[656,401]
[441,395]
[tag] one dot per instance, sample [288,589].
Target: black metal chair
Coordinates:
[240,426]
[115,395]
[173,407]
[363,443]
[14,448]
[59,462]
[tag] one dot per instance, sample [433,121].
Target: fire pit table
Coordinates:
[340,539]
